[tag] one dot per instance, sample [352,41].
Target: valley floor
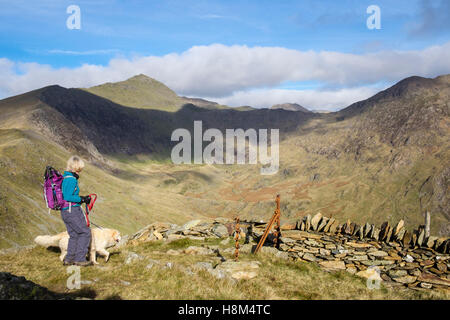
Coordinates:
[173,276]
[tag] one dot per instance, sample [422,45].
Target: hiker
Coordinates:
[73,215]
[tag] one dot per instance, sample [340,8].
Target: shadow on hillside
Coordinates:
[14,287]
[115,129]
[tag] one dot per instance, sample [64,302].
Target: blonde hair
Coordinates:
[75,164]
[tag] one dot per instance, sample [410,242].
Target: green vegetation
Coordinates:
[368,166]
[144,92]
[277,279]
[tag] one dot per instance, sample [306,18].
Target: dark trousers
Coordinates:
[79,234]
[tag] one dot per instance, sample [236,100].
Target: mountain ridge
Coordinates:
[384,158]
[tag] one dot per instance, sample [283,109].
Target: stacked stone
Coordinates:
[386,233]
[398,257]
[193,230]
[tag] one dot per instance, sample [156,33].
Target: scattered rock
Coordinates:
[198,250]
[426,285]
[378,254]
[173,252]
[239,270]
[203,266]
[220,231]
[405,279]
[333,265]
[309,257]
[397,273]
[190,224]
[133,257]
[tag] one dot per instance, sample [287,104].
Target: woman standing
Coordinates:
[73,215]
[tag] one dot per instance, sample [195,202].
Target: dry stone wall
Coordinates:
[386,254]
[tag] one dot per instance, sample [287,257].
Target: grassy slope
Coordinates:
[148,188]
[142,92]
[277,279]
[124,203]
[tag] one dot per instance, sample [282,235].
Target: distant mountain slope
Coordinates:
[144,92]
[290,107]
[383,158]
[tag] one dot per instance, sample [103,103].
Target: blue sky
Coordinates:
[119,38]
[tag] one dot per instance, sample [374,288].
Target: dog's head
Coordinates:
[116,236]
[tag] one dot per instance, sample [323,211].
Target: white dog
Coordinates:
[101,240]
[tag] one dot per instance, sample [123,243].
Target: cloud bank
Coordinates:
[230,73]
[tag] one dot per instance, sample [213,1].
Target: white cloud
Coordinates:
[218,71]
[331,100]
[83,53]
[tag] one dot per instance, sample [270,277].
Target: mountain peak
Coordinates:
[290,107]
[141,77]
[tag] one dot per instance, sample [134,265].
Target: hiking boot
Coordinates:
[67,263]
[83,263]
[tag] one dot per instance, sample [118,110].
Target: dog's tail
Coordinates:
[48,241]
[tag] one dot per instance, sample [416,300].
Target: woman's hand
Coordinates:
[85,199]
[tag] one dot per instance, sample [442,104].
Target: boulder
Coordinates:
[220,231]
[413,239]
[421,237]
[302,226]
[239,270]
[376,234]
[408,258]
[398,227]
[430,278]
[174,236]
[384,230]
[158,235]
[397,273]
[367,229]
[288,226]
[360,232]
[431,241]
[353,227]
[405,279]
[329,224]
[372,231]
[333,265]
[315,221]
[323,224]
[389,234]
[334,227]
[378,254]
[347,227]
[275,252]
[359,245]
[191,224]
[173,252]
[309,257]
[406,239]
[203,266]
[399,236]
[198,250]
[308,222]
[132,257]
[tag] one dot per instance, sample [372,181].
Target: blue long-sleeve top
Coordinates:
[70,189]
